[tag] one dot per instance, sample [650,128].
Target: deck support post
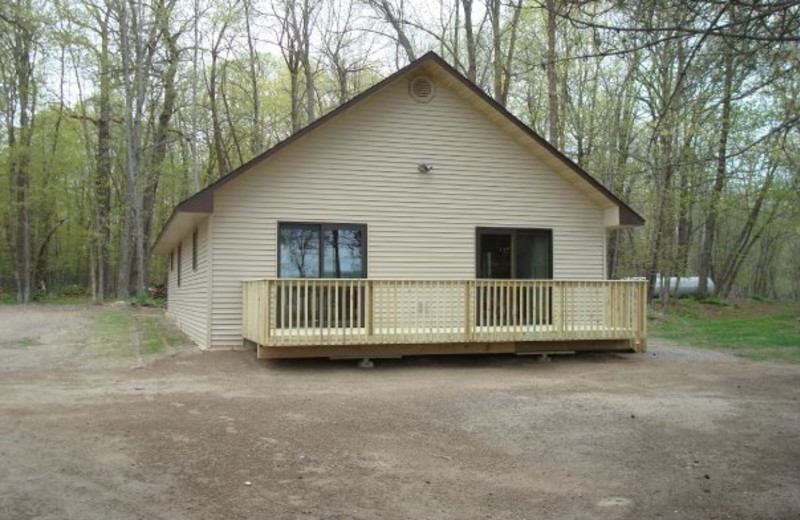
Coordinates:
[370,311]
[366,363]
[544,358]
[467,309]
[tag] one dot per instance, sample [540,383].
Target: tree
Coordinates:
[20,37]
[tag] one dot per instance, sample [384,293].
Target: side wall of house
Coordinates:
[188,303]
[361,168]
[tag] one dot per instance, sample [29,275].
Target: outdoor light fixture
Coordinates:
[424,168]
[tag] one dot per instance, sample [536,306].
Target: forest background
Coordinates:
[112,111]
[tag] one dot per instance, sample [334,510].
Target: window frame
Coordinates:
[180,250]
[514,232]
[194,249]
[321,228]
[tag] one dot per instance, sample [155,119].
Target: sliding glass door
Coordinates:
[522,254]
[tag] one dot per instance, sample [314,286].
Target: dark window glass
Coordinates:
[179,265]
[194,250]
[533,255]
[524,254]
[299,251]
[495,255]
[515,253]
[342,252]
[322,251]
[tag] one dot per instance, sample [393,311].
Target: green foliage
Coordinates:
[55,298]
[755,330]
[71,294]
[146,301]
[640,113]
[714,300]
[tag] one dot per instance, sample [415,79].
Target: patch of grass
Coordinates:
[7,298]
[20,343]
[113,330]
[713,300]
[128,332]
[156,335]
[758,330]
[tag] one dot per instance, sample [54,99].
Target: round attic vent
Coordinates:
[421,89]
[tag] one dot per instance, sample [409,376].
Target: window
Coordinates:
[514,253]
[172,260]
[179,265]
[322,250]
[194,250]
[504,254]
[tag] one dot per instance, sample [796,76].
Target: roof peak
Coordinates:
[203,200]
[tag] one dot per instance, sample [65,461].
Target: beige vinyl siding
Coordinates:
[188,304]
[361,168]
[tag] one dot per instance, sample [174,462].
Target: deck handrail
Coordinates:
[313,311]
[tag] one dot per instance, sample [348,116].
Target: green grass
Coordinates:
[753,329]
[79,298]
[20,343]
[129,332]
[10,298]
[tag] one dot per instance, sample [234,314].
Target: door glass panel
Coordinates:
[517,305]
[342,253]
[495,255]
[533,255]
[299,251]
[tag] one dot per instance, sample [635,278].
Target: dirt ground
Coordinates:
[675,433]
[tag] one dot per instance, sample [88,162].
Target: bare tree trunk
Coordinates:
[304,37]
[195,81]
[19,119]
[102,174]
[384,8]
[619,149]
[710,227]
[161,134]
[127,224]
[216,125]
[472,63]
[294,87]
[748,235]
[137,44]
[552,77]
[256,141]
[503,61]
[295,44]
[223,89]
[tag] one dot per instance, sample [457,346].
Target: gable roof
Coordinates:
[195,208]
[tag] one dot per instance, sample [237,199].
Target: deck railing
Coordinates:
[297,312]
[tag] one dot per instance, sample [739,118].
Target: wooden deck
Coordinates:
[306,313]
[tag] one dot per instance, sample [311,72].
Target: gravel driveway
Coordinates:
[675,433]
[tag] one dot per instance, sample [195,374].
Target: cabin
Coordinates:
[420,217]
